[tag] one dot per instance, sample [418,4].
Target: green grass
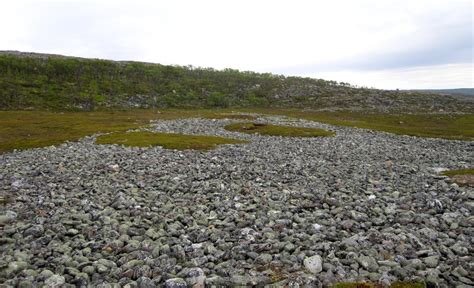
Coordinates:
[408,285]
[166,140]
[276,130]
[454,127]
[459,172]
[30,129]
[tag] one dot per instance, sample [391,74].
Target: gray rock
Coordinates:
[54,281]
[175,283]
[313,264]
[196,278]
[368,263]
[15,267]
[432,261]
[35,231]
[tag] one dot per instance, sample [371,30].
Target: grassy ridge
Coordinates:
[40,81]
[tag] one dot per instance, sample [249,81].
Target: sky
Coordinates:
[399,44]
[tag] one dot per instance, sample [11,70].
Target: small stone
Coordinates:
[114,168]
[54,281]
[45,274]
[72,232]
[30,273]
[313,264]
[196,278]
[175,283]
[317,227]
[432,261]
[88,270]
[264,259]
[35,231]
[145,282]
[101,268]
[15,267]
[152,233]
[368,263]
[25,284]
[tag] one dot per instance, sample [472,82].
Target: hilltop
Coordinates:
[46,81]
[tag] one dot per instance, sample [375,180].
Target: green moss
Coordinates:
[447,126]
[459,172]
[31,129]
[276,130]
[408,285]
[166,140]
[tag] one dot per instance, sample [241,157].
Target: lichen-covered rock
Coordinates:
[290,211]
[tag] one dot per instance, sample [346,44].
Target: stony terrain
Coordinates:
[361,205]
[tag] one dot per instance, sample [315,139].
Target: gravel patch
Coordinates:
[362,205]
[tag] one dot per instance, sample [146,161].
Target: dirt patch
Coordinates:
[464,179]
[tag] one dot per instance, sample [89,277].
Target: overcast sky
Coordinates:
[377,43]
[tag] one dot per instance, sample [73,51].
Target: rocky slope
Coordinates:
[358,206]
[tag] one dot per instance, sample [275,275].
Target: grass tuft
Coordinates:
[166,140]
[276,130]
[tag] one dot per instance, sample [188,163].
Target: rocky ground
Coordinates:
[289,211]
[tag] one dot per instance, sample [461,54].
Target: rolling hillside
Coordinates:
[44,81]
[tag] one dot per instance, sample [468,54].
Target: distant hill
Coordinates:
[463,94]
[45,81]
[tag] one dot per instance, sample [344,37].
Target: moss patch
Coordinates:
[31,129]
[447,126]
[166,140]
[275,130]
[463,177]
[408,285]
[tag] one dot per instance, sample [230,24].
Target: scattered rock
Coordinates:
[249,215]
[314,264]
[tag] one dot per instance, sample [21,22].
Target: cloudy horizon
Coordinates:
[416,44]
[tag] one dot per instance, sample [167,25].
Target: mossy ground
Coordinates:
[463,177]
[447,126]
[29,129]
[165,140]
[276,130]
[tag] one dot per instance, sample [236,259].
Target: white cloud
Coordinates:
[427,77]
[249,35]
